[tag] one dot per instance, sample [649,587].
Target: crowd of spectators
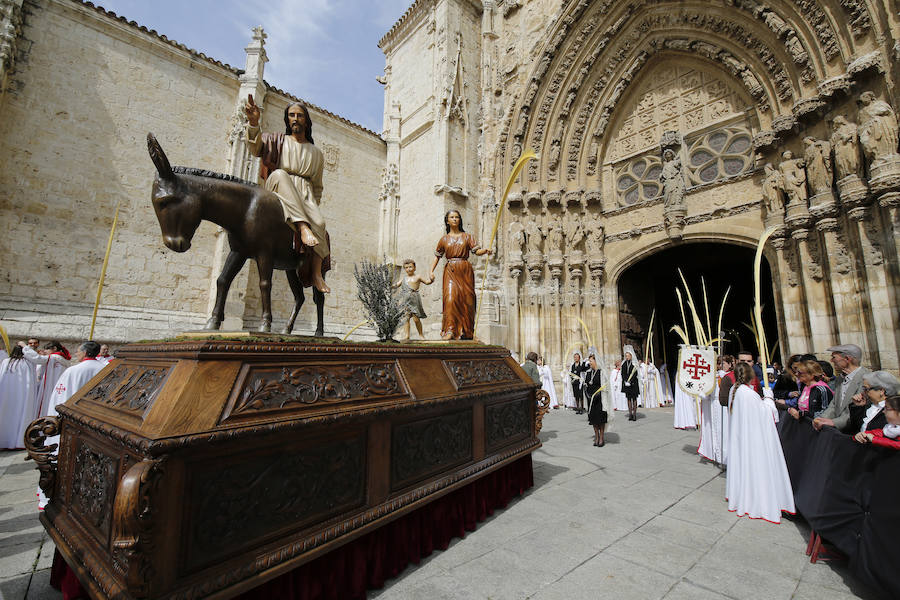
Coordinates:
[849,397]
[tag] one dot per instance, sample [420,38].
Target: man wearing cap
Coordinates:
[847,384]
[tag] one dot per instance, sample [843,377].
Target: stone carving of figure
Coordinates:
[554,234]
[794,174]
[672,180]
[773,189]
[554,156]
[819,172]
[533,236]
[574,231]
[595,238]
[845,143]
[776,23]
[516,237]
[796,49]
[878,132]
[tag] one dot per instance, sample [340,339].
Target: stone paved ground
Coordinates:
[644,518]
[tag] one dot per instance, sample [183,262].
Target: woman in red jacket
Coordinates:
[889,435]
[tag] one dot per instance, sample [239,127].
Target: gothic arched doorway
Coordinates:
[651,282]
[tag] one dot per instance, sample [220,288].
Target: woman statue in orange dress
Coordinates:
[458,321]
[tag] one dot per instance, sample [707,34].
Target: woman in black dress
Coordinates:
[593,381]
[630,384]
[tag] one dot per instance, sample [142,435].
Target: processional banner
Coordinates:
[696,370]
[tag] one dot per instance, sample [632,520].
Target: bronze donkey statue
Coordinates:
[254,220]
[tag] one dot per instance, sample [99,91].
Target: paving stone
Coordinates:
[687,591]
[639,519]
[40,586]
[14,588]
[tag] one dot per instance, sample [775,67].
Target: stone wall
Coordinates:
[85,89]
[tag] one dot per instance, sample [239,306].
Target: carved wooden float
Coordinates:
[191,469]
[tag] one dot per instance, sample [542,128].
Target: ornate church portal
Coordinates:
[650,285]
[662,126]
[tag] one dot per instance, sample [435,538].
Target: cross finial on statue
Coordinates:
[259,34]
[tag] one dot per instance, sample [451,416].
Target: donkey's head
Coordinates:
[177,205]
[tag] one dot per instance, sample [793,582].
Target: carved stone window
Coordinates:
[675,97]
[638,179]
[719,154]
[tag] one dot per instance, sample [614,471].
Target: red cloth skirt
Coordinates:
[367,562]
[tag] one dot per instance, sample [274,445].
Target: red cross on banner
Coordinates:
[60,389]
[698,368]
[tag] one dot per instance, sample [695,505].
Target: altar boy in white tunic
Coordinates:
[50,363]
[69,383]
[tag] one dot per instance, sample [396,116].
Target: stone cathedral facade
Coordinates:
[660,125]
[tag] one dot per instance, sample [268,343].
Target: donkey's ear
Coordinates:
[159,158]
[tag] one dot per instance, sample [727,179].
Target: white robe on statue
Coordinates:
[757,483]
[50,368]
[568,393]
[685,409]
[547,385]
[66,386]
[18,401]
[619,401]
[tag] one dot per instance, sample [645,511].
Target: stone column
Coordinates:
[611,344]
[530,307]
[883,303]
[389,198]
[551,339]
[240,164]
[514,300]
[796,318]
[10,28]
[818,299]
[849,311]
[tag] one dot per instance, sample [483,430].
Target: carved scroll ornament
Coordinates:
[35,436]
[132,524]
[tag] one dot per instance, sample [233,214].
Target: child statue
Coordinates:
[409,293]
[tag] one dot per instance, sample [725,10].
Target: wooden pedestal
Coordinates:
[202,468]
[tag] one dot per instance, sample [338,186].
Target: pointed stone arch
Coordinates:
[792,55]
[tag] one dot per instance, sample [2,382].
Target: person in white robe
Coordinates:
[51,363]
[68,384]
[650,376]
[714,419]
[667,395]
[547,382]
[619,402]
[105,357]
[757,483]
[18,399]
[685,409]
[568,394]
